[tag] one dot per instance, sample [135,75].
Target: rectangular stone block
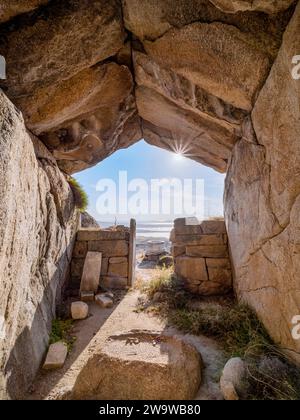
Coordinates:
[177,250]
[114,282]
[80,249]
[91,272]
[212,239]
[109,248]
[218,263]
[89,234]
[188,230]
[87,296]
[213,226]
[56,356]
[118,266]
[220,275]
[190,268]
[104,266]
[207,251]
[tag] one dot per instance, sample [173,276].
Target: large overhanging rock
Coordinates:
[216,57]
[183,131]
[267,6]
[151,19]
[140,365]
[263,185]
[11,8]
[57,42]
[103,86]
[190,121]
[87,146]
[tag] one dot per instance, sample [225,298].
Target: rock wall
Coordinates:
[115,245]
[37,227]
[201,256]
[262,200]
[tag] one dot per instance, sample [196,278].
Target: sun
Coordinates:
[178,156]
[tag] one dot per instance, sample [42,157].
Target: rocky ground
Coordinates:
[94,331]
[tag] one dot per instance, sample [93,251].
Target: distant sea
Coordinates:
[147,229]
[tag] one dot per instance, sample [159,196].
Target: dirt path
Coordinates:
[102,323]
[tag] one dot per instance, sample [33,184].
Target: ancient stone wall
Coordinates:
[37,230]
[115,244]
[201,256]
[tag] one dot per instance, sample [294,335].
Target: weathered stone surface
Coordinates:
[213,226]
[191,268]
[219,120]
[207,251]
[114,282]
[37,229]
[79,310]
[83,144]
[101,87]
[173,369]
[168,128]
[262,201]
[59,42]
[104,266]
[232,378]
[118,266]
[183,50]
[104,301]
[110,248]
[87,296]
[77,267]
[80,249]
[91,272]
[267,6]
[151,19]
[56,356]
[220,275]
[91,234]
[177,250]
[88,221]
[12,8]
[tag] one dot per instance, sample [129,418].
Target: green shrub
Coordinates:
[80,196]
[61,331]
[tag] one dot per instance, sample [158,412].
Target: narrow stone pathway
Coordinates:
[102,323]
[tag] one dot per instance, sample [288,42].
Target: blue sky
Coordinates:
[147,162]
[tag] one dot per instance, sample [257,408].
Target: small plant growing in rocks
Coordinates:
[61,331]
[80,196]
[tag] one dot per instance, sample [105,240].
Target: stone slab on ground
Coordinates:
[91,272]
[232,378]
[87,296]
[156,366]
[104,301]
[79,310]
[56,356]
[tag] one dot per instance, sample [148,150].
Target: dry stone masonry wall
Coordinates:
[115,244]
[201,256]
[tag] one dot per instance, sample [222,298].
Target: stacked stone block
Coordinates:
[114,244]
[201,256]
